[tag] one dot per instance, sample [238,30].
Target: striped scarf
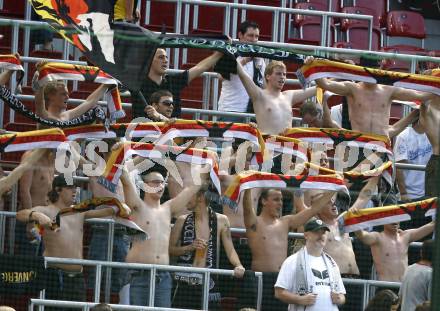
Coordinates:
[369,217]
[159,153]
[23,141]
[122,215]
[254,179]
[12,62]
[323,68]
[62,71]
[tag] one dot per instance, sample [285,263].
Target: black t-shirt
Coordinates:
[21,274]
[171,82]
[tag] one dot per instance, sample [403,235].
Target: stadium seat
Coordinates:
[336,4]
[264,19]
[379,7]
[13,9]
[309,26]
[406,24]
[401,65]
[210,20]
[156,22]
[356,30]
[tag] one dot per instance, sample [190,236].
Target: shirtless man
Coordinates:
[390,248]
[66,280]
[273,108]
[430,120]
[154,218]
[268,237]
[193,240]
[371,105]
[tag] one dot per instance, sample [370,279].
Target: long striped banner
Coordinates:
[377,216]
[117,158]
[322,68]
[62,71]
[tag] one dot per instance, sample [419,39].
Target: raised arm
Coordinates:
[341,88]
[365,194]
[88,104]
[204,65]
[252,89]
[8,181]
[302,217]
[368,238]
[178,203]
[421,232]
[403,123]
[131,196]
[326,116]
[250,218]
[40,104]
[5,76]
[298,96]
[410,95]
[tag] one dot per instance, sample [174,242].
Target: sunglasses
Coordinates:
[167,102]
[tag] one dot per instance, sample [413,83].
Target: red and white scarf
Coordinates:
[61,71]
[23,141]
[322,68]
[12,62]
[376,216]
[254,179]
[116,160]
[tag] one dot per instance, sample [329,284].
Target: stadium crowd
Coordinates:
[189,225]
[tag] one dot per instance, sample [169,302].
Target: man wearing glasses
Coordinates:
[161,107]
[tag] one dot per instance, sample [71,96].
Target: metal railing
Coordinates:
[153,270]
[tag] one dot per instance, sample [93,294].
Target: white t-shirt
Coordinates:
[336,114]
[321,283]
[416,149]
[233,96]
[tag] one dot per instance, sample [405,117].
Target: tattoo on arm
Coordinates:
[254,227]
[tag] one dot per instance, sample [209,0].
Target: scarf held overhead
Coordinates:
[377,216]
[160,153]
[13,102]
[23,141]
[254,179]
[62,71]
[322,68]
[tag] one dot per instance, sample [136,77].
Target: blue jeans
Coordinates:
[98,251]
[140,289]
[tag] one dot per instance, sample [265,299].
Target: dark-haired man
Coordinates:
[416,283]
[193,241]
[162,106]
[233,96]
[158,79]
[268,236]
[154,218]
[65,281]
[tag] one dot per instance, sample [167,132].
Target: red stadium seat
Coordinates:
[356,30]
[263,18]
[309,26]
[400,65]
[336,4]
[378,6]
[161,14]
[210,20]
[406,24]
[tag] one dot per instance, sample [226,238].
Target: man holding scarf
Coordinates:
[310,279]
[194,241]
